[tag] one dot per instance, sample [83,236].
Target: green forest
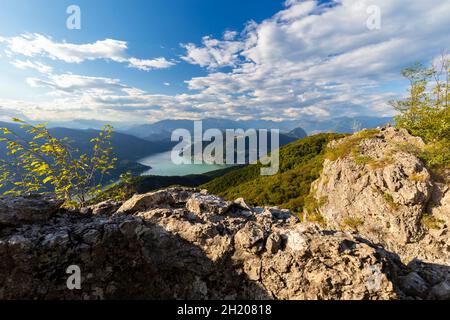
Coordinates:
[300,164]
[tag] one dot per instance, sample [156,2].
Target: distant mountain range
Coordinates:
[129,147]
[163,129]
[284,139]
[84,124]
[342,124]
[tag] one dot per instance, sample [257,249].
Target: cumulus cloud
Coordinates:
[321,59]
[32,45]
[296,10]
[214,53]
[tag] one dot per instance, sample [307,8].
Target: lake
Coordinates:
[162,165]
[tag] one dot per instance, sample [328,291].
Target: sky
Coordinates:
[147,60]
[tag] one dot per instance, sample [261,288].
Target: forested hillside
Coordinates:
[300,164]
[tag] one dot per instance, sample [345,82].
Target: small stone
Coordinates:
[146,201]
[280,214]
[91,236]
[253,269]
[105,208]
[242,204]
[273,243]
[207,204]
[441,291]
[250,237]
[413,285]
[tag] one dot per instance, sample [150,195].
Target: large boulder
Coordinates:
[162,198]
[201,203]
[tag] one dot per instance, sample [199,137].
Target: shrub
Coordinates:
[425,112]
[316,216]
[390,201]
[41,163]
[312,207]
[363,160]
[382,163]
[436,157]
[431,222]
[352,223]
[419,177]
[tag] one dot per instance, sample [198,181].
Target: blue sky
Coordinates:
[151,27]
[149,60]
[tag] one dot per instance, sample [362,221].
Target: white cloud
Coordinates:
[71,83]
[27,64]
[229,35]
[214,53]
[146,65]
[296,10]
[32,45]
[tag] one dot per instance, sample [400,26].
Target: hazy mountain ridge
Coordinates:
[128,149]
[163,129]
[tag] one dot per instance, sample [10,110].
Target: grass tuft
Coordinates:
[349,145]
[390,201]
[431,222]
[353,223]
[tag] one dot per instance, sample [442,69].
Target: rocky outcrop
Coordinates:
[381,190]
[184,244]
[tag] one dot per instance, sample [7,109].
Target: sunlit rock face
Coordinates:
[382,190]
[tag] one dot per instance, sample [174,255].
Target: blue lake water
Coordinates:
[162,165]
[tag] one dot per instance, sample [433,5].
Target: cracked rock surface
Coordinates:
[184,244]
